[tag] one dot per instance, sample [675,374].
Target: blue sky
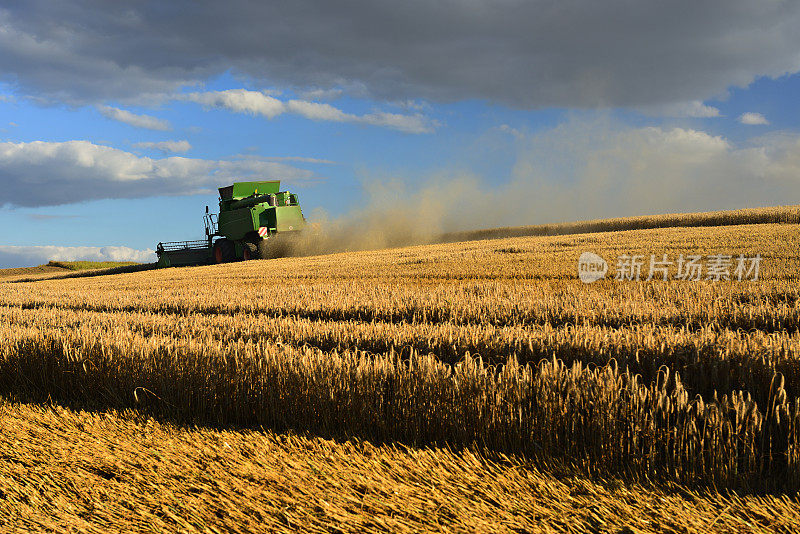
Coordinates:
[118,122]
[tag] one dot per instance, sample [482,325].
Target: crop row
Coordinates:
[601,418]
[709,359]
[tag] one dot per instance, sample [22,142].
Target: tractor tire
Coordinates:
[224,251]
[249,251]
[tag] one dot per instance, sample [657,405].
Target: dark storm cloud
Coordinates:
[524,53]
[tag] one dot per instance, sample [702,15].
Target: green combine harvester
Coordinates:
[251,215]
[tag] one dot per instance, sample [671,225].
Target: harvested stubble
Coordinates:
[362,345]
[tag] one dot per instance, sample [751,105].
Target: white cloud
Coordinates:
[29,256]
[693,108]
[514,132]
[413,105]
[416,124]
[322,94]
[318,112]
[300,159]
[588,169]
[753,119]
[165,146]
[137,121]
[48,173]
[240,101]
[259,103]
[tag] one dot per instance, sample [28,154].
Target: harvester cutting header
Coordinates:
[251,215]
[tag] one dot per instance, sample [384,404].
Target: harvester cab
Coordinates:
[251,215]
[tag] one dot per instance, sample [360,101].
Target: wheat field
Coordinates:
[78,471]
[489,355]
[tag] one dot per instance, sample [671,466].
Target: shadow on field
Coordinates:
[603,422]
[88,273]
[566,469]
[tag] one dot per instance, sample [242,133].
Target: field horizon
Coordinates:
[785,214]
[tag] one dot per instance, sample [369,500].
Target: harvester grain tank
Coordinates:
[251,216]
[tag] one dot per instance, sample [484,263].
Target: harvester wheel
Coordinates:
[249,251]
[223,251]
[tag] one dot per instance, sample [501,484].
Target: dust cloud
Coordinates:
[396,215]
[579,170]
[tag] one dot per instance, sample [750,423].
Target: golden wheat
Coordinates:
[76,471]
[488,343]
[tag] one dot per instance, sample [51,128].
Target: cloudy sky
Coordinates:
[118,120]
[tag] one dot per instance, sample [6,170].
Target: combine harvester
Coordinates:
[251,215]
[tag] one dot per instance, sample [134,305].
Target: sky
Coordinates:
[118,120]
